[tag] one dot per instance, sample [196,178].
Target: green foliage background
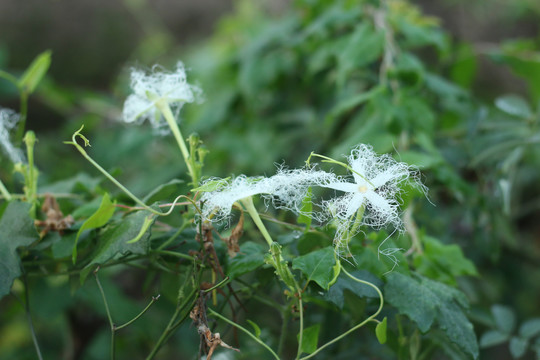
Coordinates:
[321,76]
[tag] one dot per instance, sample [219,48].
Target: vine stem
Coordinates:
[173,323]
[112,179]
[29,318]
[262,343]
[371,318]
[154,299]
[109,317]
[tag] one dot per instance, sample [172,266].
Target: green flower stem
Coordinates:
[154,299]
[219,316]
[111,178]
[165,109]
[250,208]
[371,318]
[5,193]
[31,175]
[109,317]
[283,271]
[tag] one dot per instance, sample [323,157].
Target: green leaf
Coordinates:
[492,338]
[256,328]
[505,319]
[35,72]
[363,46]
[148,221]
[16,230]
[443,262]
[310,338]
[336,293]
[530,328]
[427,302]
[212,185]
[514,105]
[351,102]
[249,258]
[518,346]
[307,208]
[317,266]
[98,219]
[114,241]
[380,331]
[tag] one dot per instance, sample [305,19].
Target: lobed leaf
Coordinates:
[16,230]
[427,302]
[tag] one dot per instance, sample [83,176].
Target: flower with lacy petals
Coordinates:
[375,191]
[286,190]
[153,90]
[8,121]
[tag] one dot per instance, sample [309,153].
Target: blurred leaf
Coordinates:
[249,258]
[16,230]
[310,338]
[464,67]
[530,328]
[514,105]
[427,302]
[443,262]
[98,219]
[380,331]
[114,241]
[492,338]
[518,346]
[35,72]
[523,57]
[255,327]
[505,319]
[363,46]
[336,292]
[317,266]
[352,102]
[79,182]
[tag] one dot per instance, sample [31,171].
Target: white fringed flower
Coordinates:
[155,88]
[8,122]
[375,191]
[378,181]
[286,190]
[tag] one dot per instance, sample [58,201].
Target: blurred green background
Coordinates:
[461,99]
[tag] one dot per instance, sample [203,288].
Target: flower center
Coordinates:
[362,188]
